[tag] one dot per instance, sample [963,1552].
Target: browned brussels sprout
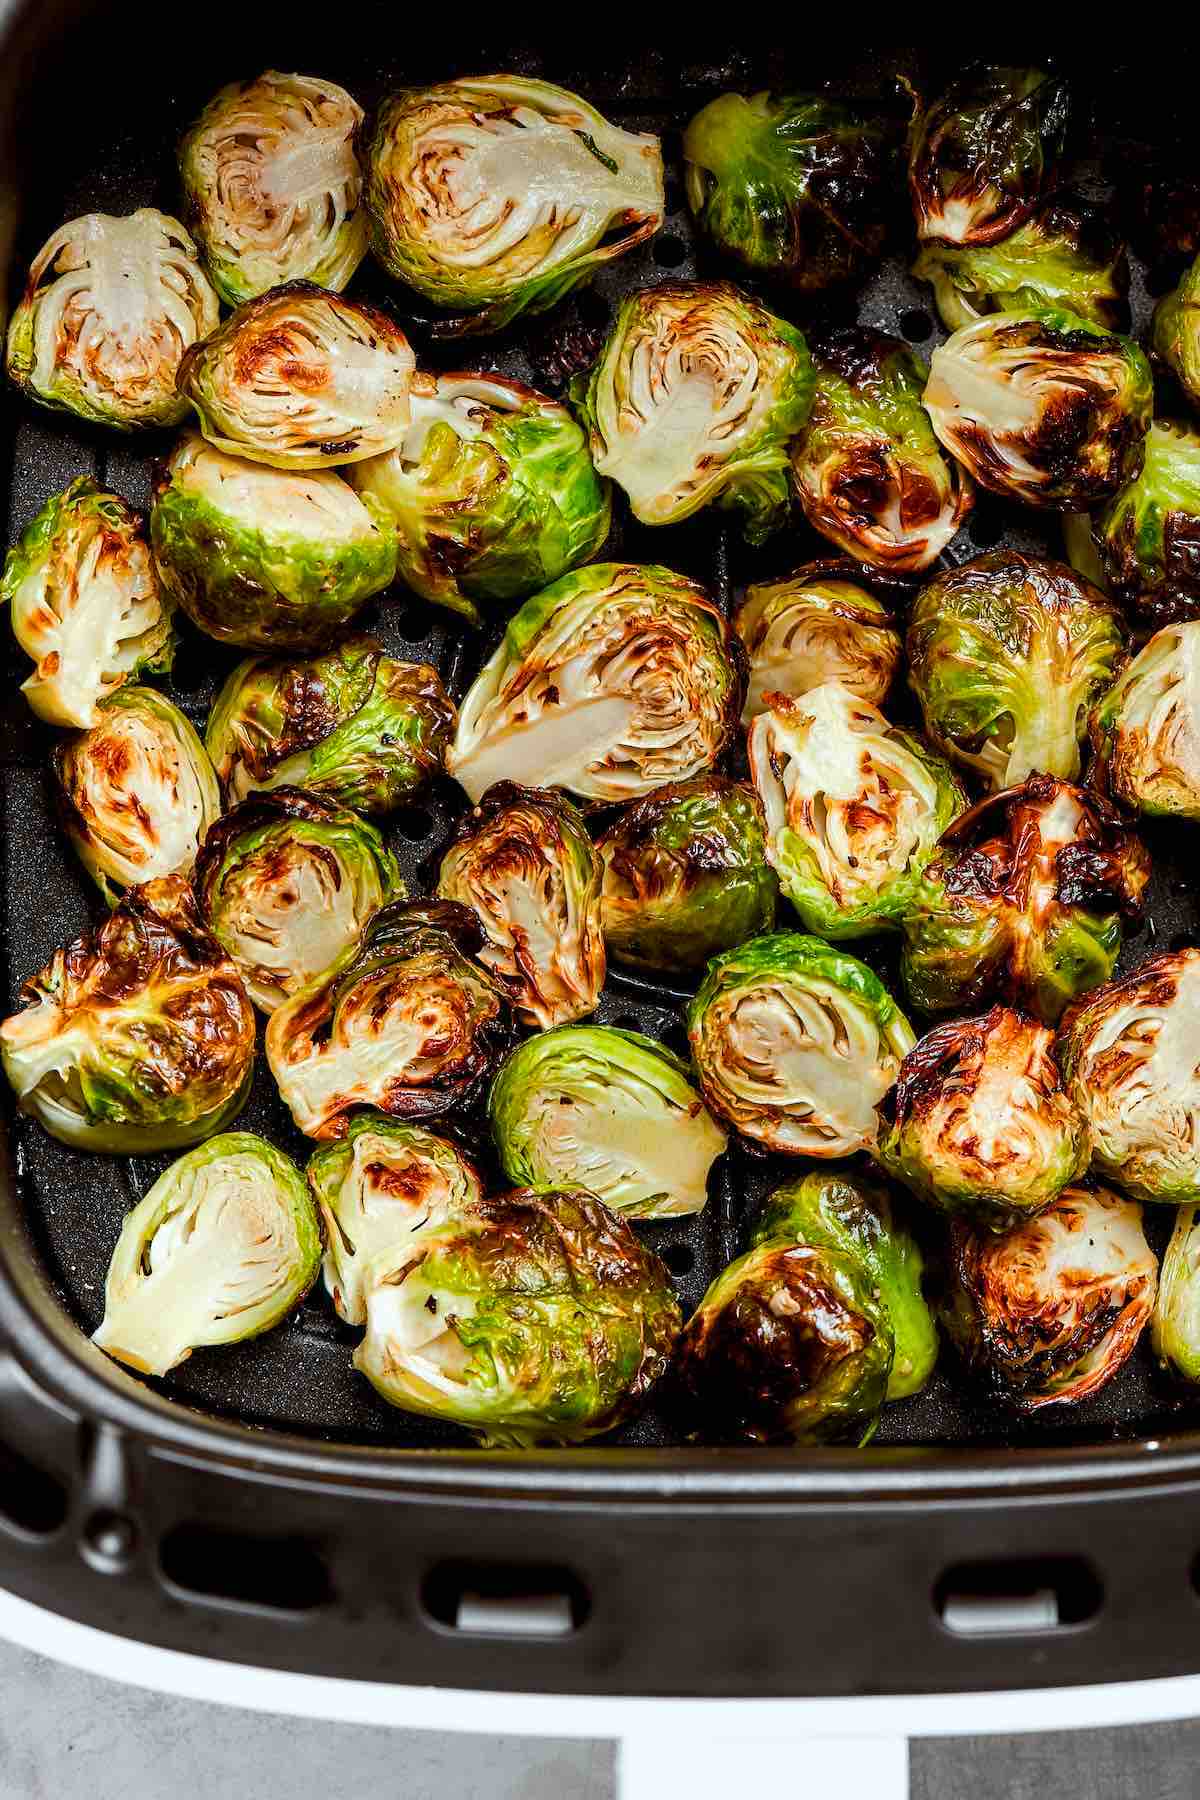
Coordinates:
[985,151]
[1146,729]
[1149,533]
[819,624]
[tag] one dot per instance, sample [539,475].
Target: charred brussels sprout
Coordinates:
[612,1109]
[1175,1327]
[222,1248]
[86,603]
[983,153]
[820,624]
[1149,533]
[1175,333]
[1146,729]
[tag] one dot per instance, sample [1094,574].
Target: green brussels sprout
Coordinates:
[612,1109]
[352,725]
[109,309]
[795,1043]
[610,683]
[1174,1333]
[285,882]
[402,1021]
[266,558]
[491,492]
[137,791]
[273,187]
[1079,547]
[139,1036]
[867,467]
[524,864]
[1146,729]
[1149,533]
[86,603]
[685,876]
[497,196]
[694,399]
[1042,407]
[223,1247]
[1175,332]
[982,155]
[819,624]
[301,379]
[531,1318]
[1007,654]
[854,809]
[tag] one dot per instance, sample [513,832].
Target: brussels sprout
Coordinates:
[820,624]
[1175,332]
[791,185]
[1079,546]
[491,491]
[588,1103]
[353,726]
[531,1318]
[108,311]
[854,808]
[867,466]
[273,186]
[795,1043]
[1025,903]
[525,865]
[1149,533]
[1050,1311]
[1175,1326]
[137,791]
[301,379]
[139,1036]
[1007,654]
[286,881]
[612,682]
[378,1190]
[1146,729]
[401,1021]
[499,195]
[266,558]
[223,1247]
[86,604]
[1042,407]
[686,876]
[982,155]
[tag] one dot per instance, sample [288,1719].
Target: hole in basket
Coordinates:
[230,1568]
[31,1501]
[1012,1597]
[628,1021]
[413,823]
[411,620]
[916,325]
[986,530]
[679,1258]
[669,251]
[675,1037]
[503,1600]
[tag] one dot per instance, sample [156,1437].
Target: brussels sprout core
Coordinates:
[1146,729]
[820,624]
[1149,533]
[985,151]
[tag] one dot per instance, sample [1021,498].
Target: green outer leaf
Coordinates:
[1148,532]
[1065,257]
[1175,332]
[1175,1326]
[792,956]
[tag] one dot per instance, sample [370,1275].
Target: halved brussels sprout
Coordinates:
[286,881]
[301,379]
[531,1318]
[353,725]
[612,1109]
[1007,654]
[979,1123]
[86,603]
[273,185]
[1042,407]
[686,875]
[867,467]
[137,791]
[1175,332]
[109,309]
[139,1036]
[491,492]
[1149,533]
[1146,729]
[524,864]
[499,195]
[985,151]
[379,1189]
[795,1044]
[820,624]
[1175,1326]
[612,682]
[854,808]
[1049,1312]
[223,1247]
[402,1021]
[266,558]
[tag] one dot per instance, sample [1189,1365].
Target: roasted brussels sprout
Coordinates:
[108,311]
[1175,1326]
[273,186]
[693,402]
[1146,729]
[1079,545]
[139,1036]
[867,467]
[402,1021]
[266,558]
[795,1043]
[1007,654]
[86,604]
[223,1246]
[612,1109]
[820,624]
[301,379]
[612,682]
[531,1318]
[854,808]
[686,876]
[353,725]
[1175,332]
[499,195]
[983,153]
[1149,533]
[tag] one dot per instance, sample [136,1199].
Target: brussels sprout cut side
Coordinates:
[984,152]
[1146,729]
[820,624]
[1175,1327]
[1149,533]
